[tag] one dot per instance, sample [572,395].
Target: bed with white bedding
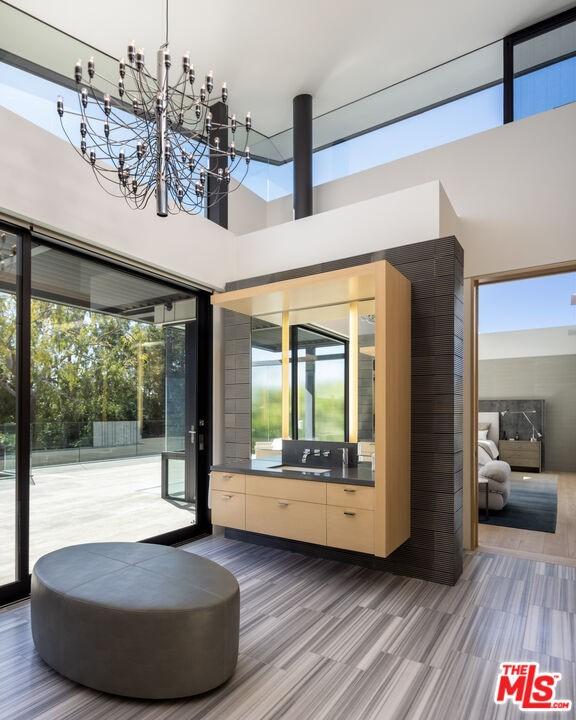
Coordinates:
[489,466]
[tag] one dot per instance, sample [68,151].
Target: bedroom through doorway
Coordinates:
[526,414]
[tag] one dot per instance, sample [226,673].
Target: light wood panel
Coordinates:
[350,495]
[306,490]
[286,376]
[229,509]
[350,529]
[228,481]
[282,517]
[392,409]
[311,291]
[353,373]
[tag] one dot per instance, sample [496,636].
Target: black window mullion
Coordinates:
[23,332]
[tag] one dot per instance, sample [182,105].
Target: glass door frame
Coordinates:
[198,402]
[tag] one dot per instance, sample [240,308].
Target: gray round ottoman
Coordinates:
[140,620]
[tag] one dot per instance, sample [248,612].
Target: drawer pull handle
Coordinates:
[283,504]
[350,514]
[226,497]
[227,477]
[350,490]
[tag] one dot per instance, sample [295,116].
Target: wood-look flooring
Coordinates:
[321,640]
[561,544]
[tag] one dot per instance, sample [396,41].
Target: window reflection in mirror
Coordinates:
[266,388]
[320,370]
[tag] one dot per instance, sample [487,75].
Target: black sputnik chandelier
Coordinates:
[157,139]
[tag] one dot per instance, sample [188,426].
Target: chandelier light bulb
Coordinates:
[176,144]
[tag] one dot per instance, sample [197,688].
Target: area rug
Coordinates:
[532,505]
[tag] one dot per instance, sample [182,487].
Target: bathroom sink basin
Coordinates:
[302,468]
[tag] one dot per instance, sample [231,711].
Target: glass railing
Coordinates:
[78,442]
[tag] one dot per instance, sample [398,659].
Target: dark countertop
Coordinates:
[361,475]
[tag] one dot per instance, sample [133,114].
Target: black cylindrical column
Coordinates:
[302,153]
[218,195]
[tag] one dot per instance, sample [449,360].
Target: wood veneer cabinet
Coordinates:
[373,520]
[521,453]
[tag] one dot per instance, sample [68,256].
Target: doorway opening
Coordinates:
[524,409]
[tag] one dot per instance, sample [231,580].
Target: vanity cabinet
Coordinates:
[377,296]
[339,516]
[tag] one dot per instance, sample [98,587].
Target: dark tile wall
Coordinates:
[435,268]
[237,424]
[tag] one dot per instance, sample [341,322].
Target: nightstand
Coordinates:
[521,454]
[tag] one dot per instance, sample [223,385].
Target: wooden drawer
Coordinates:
[354,496]
[228,481]
[350,528]
[229,509]
[305,490]
[286,518]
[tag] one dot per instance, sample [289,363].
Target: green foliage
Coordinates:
[85,366]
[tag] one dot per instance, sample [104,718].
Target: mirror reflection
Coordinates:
[331,377]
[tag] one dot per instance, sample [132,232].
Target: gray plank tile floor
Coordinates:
[324,640]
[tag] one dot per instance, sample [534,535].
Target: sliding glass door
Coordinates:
[9,291]
[116,438]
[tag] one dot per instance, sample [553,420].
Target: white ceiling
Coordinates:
[268,51]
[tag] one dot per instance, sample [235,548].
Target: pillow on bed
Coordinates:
[484,426]
[496,470]
[482,434]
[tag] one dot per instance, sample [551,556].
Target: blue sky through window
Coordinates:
[545,89]
[526,304]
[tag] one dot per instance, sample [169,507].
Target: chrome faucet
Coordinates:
[344,458]
[305,455]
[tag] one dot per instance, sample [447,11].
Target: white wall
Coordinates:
[43,179]
[411,215]
[512,187]
[539,342]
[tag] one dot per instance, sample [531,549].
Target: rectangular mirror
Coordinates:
[331,376]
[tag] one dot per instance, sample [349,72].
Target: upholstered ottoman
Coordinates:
[140,620]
